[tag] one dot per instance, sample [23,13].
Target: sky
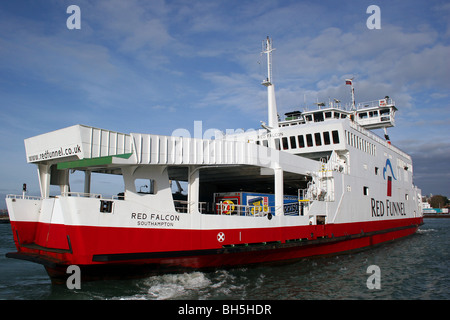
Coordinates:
[156,66]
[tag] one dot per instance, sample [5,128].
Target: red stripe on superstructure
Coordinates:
[389,186]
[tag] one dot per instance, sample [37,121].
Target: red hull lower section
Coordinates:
[95,249]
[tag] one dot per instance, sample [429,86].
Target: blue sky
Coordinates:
[155,66]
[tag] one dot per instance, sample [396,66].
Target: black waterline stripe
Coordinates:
[239,248]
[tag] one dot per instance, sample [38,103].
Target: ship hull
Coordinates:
[110,252]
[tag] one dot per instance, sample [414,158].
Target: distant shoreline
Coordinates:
[436,215]
[4,219]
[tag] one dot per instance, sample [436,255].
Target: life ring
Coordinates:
[227,207]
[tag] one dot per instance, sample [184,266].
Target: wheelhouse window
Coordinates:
[318,116]
[335,135]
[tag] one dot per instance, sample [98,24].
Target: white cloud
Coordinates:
[427,68]
[161,108]
[235,91]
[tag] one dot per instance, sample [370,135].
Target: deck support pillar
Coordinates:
[193,189]
[279,205]
[87,181]
[44,179]
[64,182]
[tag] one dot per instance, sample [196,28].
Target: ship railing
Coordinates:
[119,196]
[299,208]
[182,206]
[229,209]
[81,195]
[296,208]
[375,103]
[374,137]
[304,195]
[67,194]
[22,196]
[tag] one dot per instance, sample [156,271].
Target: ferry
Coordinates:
[318,182]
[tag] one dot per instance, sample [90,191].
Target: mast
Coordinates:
[272,105]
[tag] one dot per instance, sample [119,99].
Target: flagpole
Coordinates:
[350,82]
[353,97]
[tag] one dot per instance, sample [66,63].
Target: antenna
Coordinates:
[272,105]
[267,49]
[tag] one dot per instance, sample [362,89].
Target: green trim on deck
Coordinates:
[100,161]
